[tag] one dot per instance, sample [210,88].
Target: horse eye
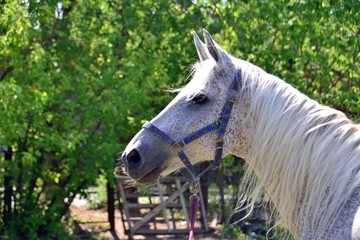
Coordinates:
[199,98]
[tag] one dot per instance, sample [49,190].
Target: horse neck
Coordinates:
[303,154]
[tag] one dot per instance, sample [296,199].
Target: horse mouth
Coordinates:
[150,177]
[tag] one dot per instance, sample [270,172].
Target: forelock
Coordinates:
[200,78]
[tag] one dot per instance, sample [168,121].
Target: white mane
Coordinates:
[305,156]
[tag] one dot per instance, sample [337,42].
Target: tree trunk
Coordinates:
[8,190]
[204,185]
[110,208]
[220,177]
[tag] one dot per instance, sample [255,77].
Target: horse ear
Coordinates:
[200,48]
[219,55]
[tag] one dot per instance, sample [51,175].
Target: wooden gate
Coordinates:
[163,210]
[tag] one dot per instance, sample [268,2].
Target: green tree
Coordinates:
[77,80]
[313,45]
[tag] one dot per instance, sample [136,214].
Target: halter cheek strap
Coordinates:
[218,126]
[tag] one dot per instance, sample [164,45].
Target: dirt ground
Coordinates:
[93,224]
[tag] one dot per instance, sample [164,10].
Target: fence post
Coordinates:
[111,207]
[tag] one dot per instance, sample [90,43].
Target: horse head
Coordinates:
[197,105]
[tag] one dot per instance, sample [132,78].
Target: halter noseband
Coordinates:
[219,125]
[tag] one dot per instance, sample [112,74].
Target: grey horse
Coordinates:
[304,156]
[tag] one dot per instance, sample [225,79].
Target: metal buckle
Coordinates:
[195,186]
[232,95]
[177,146]
[218,121]
[220,139]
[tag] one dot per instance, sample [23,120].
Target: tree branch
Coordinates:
[7,71]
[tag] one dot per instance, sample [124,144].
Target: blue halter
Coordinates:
[219,125]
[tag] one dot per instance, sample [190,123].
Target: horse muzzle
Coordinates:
[145,157]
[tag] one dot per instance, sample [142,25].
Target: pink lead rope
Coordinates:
[194,203]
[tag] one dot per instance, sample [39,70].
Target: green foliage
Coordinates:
[312,45]
[143,190]
[77,79]
[98,195]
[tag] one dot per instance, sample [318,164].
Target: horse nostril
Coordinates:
[133,159]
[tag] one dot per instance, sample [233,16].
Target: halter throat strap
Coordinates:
[218,126]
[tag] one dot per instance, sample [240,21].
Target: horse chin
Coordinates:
[151,177]
[172,168]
